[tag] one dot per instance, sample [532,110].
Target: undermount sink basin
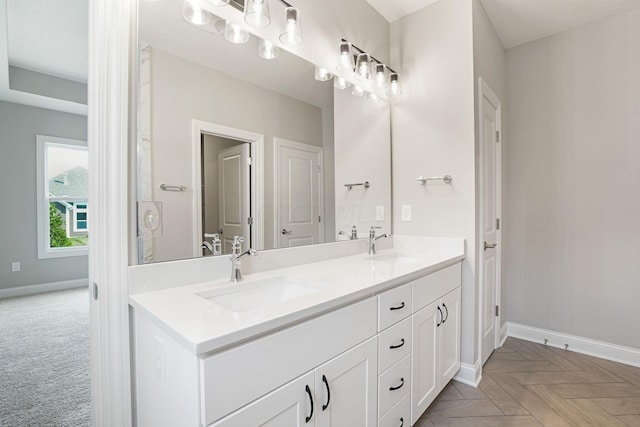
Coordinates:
[261,293]
[395,258]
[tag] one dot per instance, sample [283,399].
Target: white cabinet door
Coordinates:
[346,388]
[292,405]
[424,380]
[449,343]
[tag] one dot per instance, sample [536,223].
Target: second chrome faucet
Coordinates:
[373,238]
[236,254]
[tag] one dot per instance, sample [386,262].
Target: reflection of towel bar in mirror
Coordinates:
[446,179]
[166,187]
[365,184]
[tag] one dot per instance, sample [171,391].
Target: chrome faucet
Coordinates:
[215,247]
[352,236]
[373,238]
[236,254]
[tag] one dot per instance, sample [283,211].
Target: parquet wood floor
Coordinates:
[529,384]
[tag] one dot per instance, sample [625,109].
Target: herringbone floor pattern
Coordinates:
[528,384]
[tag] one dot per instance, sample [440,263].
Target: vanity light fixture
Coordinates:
[340,82]
[218,3]
[357,90]
[292,35]
[380,78]
[193,12]
[345,61]
[268,50]
[322,74]
[256,13]
[394,88]
[235,33]
[363,67]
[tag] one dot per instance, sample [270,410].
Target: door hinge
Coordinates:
[497,310]
[250,161]
[250,220]
[497,223]
[319,218]
[497,136]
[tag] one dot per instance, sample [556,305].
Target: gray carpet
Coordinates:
[44,360]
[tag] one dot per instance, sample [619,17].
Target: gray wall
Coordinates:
[572,204]
[19,126]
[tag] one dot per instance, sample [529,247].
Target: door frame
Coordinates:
[256,142]
[280,143]
[485,91]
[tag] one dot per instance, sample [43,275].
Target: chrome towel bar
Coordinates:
[446,179]
[166,187]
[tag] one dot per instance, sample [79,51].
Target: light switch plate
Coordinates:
[406,213]
[379,213]
[15,266]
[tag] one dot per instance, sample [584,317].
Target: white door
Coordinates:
[292,405]
[347,390]
[449,339]
[298,194]
[424,359]
[234,194]
[490,208]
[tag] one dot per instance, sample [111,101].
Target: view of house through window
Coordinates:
[63,187]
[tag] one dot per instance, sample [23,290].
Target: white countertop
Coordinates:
[203,326]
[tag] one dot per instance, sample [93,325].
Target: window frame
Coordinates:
[43,199]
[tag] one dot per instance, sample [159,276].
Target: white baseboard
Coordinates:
[603,350]
[42,288]
[504,333]
[469,374]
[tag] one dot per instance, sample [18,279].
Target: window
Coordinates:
[62,205]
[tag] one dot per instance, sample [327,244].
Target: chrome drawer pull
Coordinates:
[391,347]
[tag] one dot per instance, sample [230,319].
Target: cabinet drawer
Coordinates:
[233,378]
[393,385]
[399,415]
[429,288]
[394,343]
[394,305]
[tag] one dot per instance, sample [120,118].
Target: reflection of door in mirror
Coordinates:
[226,190]
[299,193]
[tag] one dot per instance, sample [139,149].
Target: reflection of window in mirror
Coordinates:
[62,187]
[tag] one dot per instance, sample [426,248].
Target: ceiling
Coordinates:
[522,21]
[50,37]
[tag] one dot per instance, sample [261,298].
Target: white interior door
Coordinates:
[234,194]
[298,194]
[490,207]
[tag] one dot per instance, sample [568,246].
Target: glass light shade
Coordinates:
[345,62]
[340,82]
[193,13]
[363,67]
[394,87]
[292,34]
[380,78]
[218,3]
[235,34]
[268,50]
[357,91]
[256,13]
[322,74]
[372,97]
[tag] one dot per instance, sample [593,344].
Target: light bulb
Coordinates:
[379,81]
[340,82]
[394,88]
[363,67]
[257,13]
[357,91]
[322,74]
[345,62]
[268,50]
[235,34]
[193,13]
[292,35]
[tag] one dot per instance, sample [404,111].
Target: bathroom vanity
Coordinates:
[354,341]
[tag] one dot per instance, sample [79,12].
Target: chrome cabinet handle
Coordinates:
[489,246]
[285,231]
